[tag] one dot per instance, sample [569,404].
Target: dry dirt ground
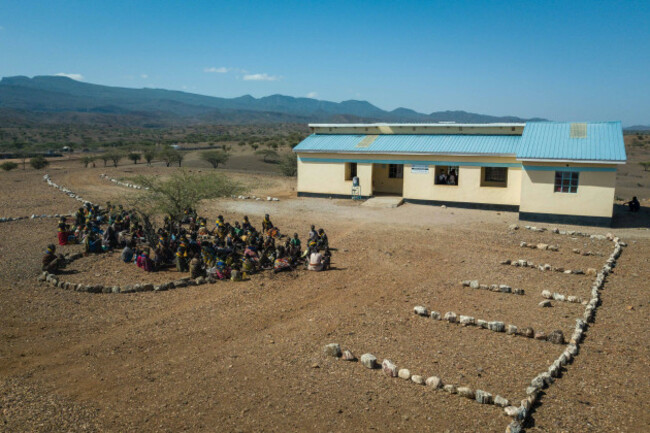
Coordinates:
[249,356]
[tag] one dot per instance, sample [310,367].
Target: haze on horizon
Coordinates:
[558,60]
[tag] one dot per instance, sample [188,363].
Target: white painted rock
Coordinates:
[500,401]
[434,382]
[496,326]
[389,368]
[466,392]
[483,397]
[474,284]
[435,315]
[451,389]
[420,310]
[404,374]
[348,356]
[450,316]
[369,360]
[547,294]
[417,379]
[466,320]
[546,303]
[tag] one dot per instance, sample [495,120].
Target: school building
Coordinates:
[559,172]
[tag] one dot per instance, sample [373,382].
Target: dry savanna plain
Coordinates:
[248,356]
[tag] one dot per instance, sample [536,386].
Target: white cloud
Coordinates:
[145,76]
[77,77]
[312,95]
[221,70]
[260,77]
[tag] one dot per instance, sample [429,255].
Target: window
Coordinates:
[446,175]
[350,170]
[494,176]
[566,181]
[395,171]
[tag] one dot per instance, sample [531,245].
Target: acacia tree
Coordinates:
[267,154]
[170,156]
[115,157]
[39,162]
[105,157]
[181,191]
[645,165]
[215,157]
[135,157]
[149,155]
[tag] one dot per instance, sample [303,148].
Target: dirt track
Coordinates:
[248,356]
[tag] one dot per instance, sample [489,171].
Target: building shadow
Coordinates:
[624,219]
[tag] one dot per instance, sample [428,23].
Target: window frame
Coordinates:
[568,182]
[351,170]
[494,183]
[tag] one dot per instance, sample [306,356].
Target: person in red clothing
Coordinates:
[64,232]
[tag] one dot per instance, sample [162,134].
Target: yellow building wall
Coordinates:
[595,196]
[328,178]
[469,190]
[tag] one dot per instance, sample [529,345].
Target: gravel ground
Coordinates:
[248,356]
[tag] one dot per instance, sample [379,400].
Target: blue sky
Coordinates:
[562,60]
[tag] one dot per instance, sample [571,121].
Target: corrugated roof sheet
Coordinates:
[552,140]
[540,140]
[416,143]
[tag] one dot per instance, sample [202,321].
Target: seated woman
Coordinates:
[281,263]
[315,261]
[51,261]
[144,262]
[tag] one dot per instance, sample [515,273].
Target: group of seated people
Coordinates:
[227,251]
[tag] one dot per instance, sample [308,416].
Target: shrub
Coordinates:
[289,164]
[87,160]
[215,157]
[170,156]
[39,162]
[115,157]
[267,154]
[645,165]
[8,166]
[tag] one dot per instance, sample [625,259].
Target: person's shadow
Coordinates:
[623,218]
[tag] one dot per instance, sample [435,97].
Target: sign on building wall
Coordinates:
[420,169]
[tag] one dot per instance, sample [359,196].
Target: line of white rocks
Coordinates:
[565,232]
[124,184]
[546,294]
[370,361]
[65,190]
[539,246]
[586,253]
[555,337]
[33,217]
[56,282]
[545,267]
[253,197]
[502,288]
[546,378]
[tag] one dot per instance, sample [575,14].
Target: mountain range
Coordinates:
[62,99]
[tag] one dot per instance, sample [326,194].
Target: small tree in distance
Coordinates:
[135,157]
[149,155]
[115,157]
[645,165]
[39,162]
[289,164]
[215,157]
[105,157]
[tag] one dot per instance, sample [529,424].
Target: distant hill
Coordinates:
[60,99]
[637,128]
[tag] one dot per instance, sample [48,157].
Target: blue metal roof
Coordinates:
[552,140]
[603,141]
[412,143]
